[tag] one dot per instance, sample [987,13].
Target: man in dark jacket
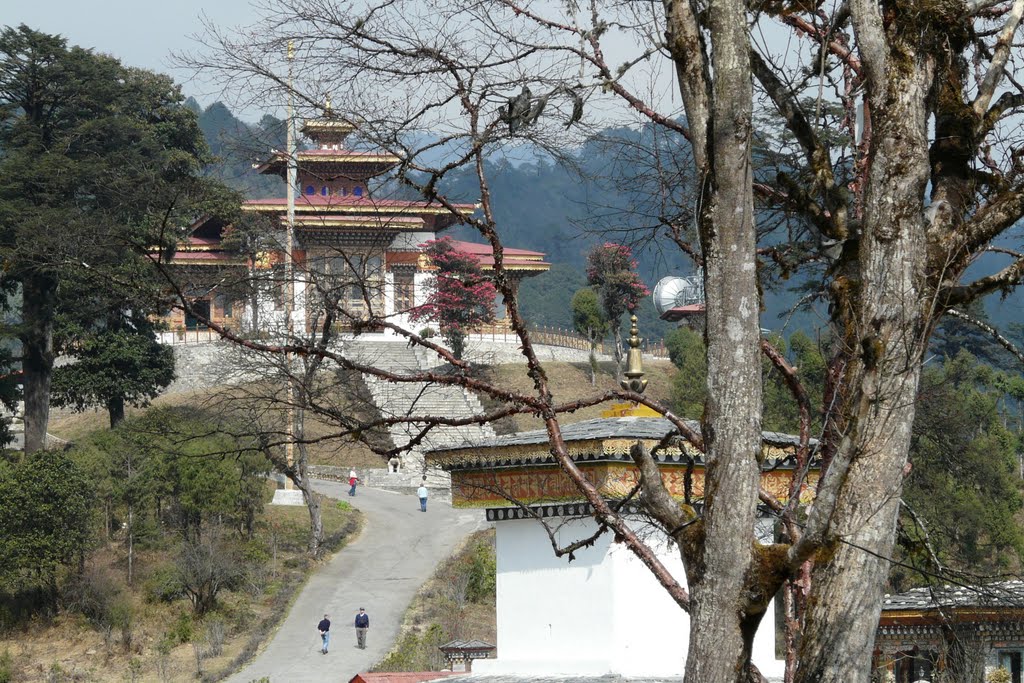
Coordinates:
[325,633]
[362,625]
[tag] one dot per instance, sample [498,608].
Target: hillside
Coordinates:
[571,382]
[606,190]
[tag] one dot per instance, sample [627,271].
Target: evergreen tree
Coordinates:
[588,319]
[101,161]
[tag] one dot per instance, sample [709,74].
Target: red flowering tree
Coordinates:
[611,271]
[461,297]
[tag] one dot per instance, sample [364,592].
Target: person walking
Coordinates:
[352,481]
[324,627]
[421,492]
[362,626]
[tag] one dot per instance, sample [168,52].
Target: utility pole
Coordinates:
[289,496]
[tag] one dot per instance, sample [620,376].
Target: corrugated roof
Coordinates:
[1001,594]
[654,428]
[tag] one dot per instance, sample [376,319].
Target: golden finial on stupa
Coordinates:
[291,50]
[328,108]
[634,381]
[634,361]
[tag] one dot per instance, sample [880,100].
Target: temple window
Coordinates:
[342,190]
[357,191]
[323,191]
[310,189]
[405,290]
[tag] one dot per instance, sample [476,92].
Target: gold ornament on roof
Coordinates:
[291,50]
[634,361]
[328,109]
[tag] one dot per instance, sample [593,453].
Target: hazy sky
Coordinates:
[140,33]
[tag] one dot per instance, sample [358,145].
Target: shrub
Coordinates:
[182,631]
[95,595]
[427,332]
[483,568]
[1000,675]
[163,585]
[215,635]
[6,667]
[205,568]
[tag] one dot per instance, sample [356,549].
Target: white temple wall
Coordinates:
[602,613]
[411,241]
[389,293]
[548,621]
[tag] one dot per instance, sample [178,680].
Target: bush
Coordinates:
[483,569]
[206,567]
[1000,675]
[6,667]
[215,635]
[95,595]
[182,631]
[163,585]
[427,332]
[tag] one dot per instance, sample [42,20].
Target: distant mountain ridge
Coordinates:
[548,207]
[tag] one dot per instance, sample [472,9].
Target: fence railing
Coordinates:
[194,336]
[561,337]
[499,333]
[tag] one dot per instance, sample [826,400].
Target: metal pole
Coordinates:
[289,265]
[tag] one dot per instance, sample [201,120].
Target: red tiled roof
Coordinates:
[204,256]
[478,249]
[193,240]
[339,153]
[513,258]
[401,676]
[676,314]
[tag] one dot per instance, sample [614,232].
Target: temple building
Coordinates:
[960,633]
[353,251]
[603,613]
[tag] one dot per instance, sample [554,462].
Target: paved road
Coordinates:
[381,571]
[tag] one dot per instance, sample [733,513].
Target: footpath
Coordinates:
[381,570]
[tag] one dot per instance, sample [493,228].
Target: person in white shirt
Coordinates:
[422,493]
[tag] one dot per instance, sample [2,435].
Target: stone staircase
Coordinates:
[415,399]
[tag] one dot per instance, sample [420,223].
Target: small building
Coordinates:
[362,251]
[951,633]
[601,611]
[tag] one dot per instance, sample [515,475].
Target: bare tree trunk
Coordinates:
[722,629]
[618,354]
[593,357]
[131,543]
[254,298]
[302,482]
[115,408]
[890,330]
[39,299]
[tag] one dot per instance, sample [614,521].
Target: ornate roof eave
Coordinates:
[278,161]
[585,451]
[494,454]
[411,209]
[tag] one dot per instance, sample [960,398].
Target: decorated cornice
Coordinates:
[585,450]
[546,485]
[382,207]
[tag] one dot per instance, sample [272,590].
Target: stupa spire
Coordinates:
[634,361]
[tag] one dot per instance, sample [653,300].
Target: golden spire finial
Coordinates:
[291,50]
[328,109]
[634,361]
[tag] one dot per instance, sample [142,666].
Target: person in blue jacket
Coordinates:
[362,626]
